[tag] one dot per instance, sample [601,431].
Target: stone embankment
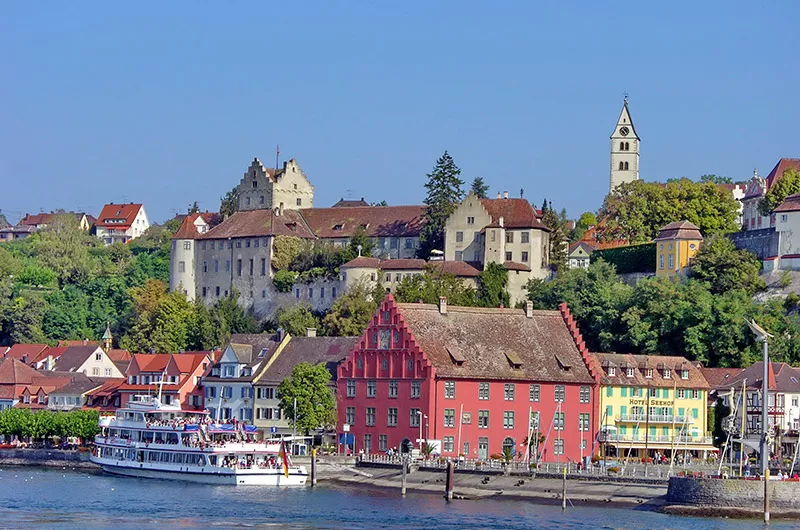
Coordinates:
[472,485]
[732,497]
[46,458]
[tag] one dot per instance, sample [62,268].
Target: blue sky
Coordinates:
[166,103]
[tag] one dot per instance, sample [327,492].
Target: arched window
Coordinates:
[508,443]
[622,146]
[626,165]
[621,166]
[627,146]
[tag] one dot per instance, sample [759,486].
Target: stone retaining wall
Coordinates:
[733,493]
[45,457]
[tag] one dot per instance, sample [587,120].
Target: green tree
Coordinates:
[229,317]
[284,250]
[10,265]
[724,268]
[637,210]
[64,247]
[492,284]
[229,204]
[479,188]
[296,319]
[309,387]
[37,275]
[432,284]
[160,320]
[788,184]
[360,239]
[284,280]
[715,179]
[193,208]
[351,312]
[444,192]
[586,220]
[22,321]
[557,224]
[596,297]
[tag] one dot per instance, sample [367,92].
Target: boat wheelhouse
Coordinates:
[152,440]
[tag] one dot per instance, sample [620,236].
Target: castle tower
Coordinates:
[624,150]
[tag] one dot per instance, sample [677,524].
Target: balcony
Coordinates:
[641,438]
[653,418]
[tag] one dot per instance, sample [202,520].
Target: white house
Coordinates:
[120,223]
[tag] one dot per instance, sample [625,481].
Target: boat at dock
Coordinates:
[151,440]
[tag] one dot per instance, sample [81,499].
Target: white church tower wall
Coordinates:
[624,150]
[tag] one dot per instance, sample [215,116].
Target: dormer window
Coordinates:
[629,372]
[648,372]
[230,371]
[667,373]
[262,353]
[338,228]
[612,371]
[684,374]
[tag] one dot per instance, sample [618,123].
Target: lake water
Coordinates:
[53,498]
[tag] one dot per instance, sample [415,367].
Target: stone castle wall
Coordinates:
[763,242]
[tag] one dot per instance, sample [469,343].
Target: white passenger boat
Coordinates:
[153,440]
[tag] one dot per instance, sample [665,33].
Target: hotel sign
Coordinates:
[652,402]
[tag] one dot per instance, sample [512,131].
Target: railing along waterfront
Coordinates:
[653,418]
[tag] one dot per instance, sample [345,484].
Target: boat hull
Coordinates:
[267,477]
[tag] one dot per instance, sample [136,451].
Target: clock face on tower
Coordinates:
[624,131]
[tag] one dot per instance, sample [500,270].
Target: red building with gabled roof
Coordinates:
[479,380]
[181,373]
[120,223]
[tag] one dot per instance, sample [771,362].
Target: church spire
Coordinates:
[107,339]
[624,149]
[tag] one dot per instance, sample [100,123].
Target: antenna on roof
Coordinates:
[277,155]
[348,194]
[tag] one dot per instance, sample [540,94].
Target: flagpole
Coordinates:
[460,422]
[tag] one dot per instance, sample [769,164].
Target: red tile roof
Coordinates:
[457,268]
[366,262]
[378,221]
[28,351]
[188,228]
[402,264]
[658,363]
[84,342]
[780,168]
[789,204]
[485,340]
[679,230]
[14,372]
[514,266]
[516,213]
[718,377]
[118,215]
[119,355]
[258,223]
[36,219]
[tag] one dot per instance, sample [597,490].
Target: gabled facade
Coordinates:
[476,381]
[26,353]
[579,255]
[182,263]
[504,231]
[652,403]
[286,188]
[228,387]
[181,374]
[121,223]
[89,360]
[268,416]
[755,190]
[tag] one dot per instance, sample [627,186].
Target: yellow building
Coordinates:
[652,404]
[676,245]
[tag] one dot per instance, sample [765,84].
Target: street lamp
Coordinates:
[763,336]
[421,418]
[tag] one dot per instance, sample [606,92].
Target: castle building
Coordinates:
[624,150]
[503,230]
[286,188]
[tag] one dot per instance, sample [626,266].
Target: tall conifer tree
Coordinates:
[445,191]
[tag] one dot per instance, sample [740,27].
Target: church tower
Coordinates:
[624,150]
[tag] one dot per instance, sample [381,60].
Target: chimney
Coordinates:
[498,194]
[529,309]
[442,305]
[311,332]
[500,221]
[280,209]
[505,195]
[281,334]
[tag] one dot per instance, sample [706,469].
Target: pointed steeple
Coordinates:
[624,149]
[107,338]
[626,121]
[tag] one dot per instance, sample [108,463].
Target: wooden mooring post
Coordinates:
[766,495]
[404,463]
[449,482]
[564,490]
[313,467]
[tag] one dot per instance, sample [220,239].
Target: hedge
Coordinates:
[633,258]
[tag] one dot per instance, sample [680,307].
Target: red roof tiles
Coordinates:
[377,221]
[679,230]
[789,204]
[26,352]
[258,223]
[118,215]
[516,213]
[780,168]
